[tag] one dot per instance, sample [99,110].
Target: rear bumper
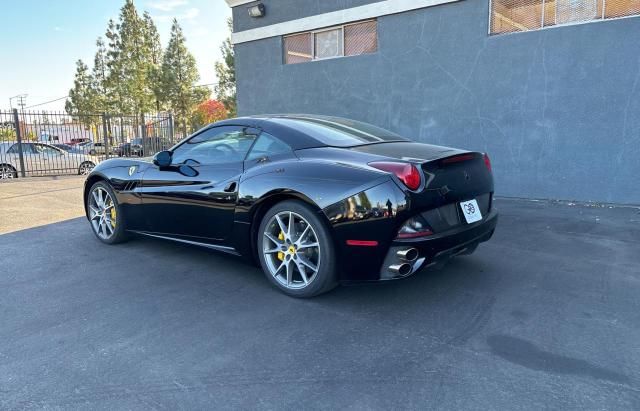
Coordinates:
[439,247]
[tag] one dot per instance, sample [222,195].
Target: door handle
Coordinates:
[231,187]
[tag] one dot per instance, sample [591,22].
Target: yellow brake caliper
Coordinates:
[113,217]
[280,253]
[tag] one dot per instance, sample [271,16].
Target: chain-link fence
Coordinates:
[54,143]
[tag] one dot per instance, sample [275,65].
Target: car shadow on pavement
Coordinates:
[176,322]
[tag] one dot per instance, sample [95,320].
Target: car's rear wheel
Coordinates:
[85,168]
[295,250]
[105,214]
[7,172]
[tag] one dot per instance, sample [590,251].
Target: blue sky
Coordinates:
[41,40]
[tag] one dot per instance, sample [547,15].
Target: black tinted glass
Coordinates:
[339,132]
[26,149]
[267,146]
[216,145]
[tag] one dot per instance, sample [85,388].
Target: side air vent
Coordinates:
[130,186]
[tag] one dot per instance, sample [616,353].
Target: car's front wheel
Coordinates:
[295,250]
[85,168]
[105,214]
[7,172]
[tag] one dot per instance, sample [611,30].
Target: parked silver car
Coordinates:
[41,159]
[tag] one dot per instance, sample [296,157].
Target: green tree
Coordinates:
[135,65]
[82,96]
[7,134]
[226,72]
[153,48]
[179,78]
[113,82]
[100,76]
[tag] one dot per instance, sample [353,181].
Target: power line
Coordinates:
[58,99]
[47,102]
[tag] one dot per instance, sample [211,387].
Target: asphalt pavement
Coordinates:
[35,201]
[544,316]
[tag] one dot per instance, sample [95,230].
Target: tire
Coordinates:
[103,229]
[7,172]
[308,229]
[85,168]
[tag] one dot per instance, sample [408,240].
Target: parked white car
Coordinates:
[41,159]
[95,148]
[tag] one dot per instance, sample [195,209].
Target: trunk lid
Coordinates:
[408,151]
[451,175]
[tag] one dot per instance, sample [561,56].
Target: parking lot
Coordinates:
[545,315]
[32,202]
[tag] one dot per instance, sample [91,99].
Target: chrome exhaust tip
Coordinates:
[401,269]
[410,254]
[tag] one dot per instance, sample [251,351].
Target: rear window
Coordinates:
[339,132]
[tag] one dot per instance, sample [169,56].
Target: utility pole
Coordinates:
[22,101]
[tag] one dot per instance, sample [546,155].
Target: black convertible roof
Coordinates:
[307,131]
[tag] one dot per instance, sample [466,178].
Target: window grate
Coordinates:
[361,38]
[508,16]
[298,48]
[347,40]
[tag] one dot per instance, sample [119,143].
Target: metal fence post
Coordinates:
[16,120]
[171,135]
[146,146]
[122,133]
[104,135]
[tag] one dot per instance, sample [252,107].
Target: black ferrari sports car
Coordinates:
[315,201]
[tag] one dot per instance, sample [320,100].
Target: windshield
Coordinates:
[339,132]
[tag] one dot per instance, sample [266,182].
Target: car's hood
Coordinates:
[141,162]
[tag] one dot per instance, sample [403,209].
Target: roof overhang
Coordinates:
[368,11]
[234,3]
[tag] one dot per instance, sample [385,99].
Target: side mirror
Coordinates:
[162,159]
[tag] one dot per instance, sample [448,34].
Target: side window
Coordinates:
[225,144]
[268,146]
[47,150]
[26,149]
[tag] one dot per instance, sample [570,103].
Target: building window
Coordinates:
[347,40]
[508,16]
[298,48]
[329,43]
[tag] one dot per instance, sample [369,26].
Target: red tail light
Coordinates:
[487,161]
[458,158]
[406,172]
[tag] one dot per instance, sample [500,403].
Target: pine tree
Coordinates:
[100,78]
[131,74]
[179,78]
[153,49]
[135,66]
[114,84]
[82,95]
[226,72]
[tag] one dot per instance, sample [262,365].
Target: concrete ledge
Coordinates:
[369,11]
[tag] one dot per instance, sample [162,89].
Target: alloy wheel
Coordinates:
[7,172]
[291,250]
[85,168]
[102,213]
